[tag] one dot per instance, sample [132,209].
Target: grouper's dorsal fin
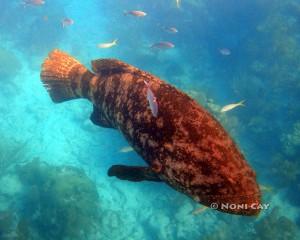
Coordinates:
[110,66]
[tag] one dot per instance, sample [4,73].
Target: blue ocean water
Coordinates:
[54,161]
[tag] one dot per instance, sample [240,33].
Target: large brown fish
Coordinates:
[184,145]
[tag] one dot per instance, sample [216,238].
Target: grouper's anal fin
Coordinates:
[133,173]
[98,118]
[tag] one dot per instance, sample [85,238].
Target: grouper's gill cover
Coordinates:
[184,145]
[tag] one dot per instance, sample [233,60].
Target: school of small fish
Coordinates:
[162,45]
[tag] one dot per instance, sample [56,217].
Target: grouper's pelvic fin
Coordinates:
[64,77]
[98,118]
[133,173]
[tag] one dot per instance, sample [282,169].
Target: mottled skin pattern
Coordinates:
[185,145]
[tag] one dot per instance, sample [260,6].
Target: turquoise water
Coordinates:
[54,161]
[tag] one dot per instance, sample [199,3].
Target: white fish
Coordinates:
[126,149]
[200,210]
[171,30]
[178,3]
[225,51]
[151,100]
[232,106]
[108,45]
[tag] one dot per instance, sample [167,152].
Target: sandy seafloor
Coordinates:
[61,134]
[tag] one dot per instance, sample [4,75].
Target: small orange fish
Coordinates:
[135,13]
[33,2]
[67,22]
[163,45]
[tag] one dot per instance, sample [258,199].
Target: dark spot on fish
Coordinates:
[206,169]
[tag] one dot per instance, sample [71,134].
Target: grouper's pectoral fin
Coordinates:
[133,173]
[99,119]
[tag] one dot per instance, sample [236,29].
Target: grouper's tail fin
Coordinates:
[62,76]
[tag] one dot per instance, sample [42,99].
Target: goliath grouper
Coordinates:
[182,143]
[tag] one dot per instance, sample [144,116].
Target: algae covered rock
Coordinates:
[59,202]
[286,170]
[6,223]
[276,227]
[291,140]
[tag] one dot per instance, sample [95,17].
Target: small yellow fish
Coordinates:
[126,149]
[108,45]
[200,210]
[232,106]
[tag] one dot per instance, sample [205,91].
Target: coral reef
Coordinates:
[59,202]
[56,203]
[270,77]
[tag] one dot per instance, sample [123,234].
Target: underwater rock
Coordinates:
[12,152]
[59,202]
[6,223]
[276,227]
[22,230]
[12,185]
[286,171]
[118,225]
[291,140]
